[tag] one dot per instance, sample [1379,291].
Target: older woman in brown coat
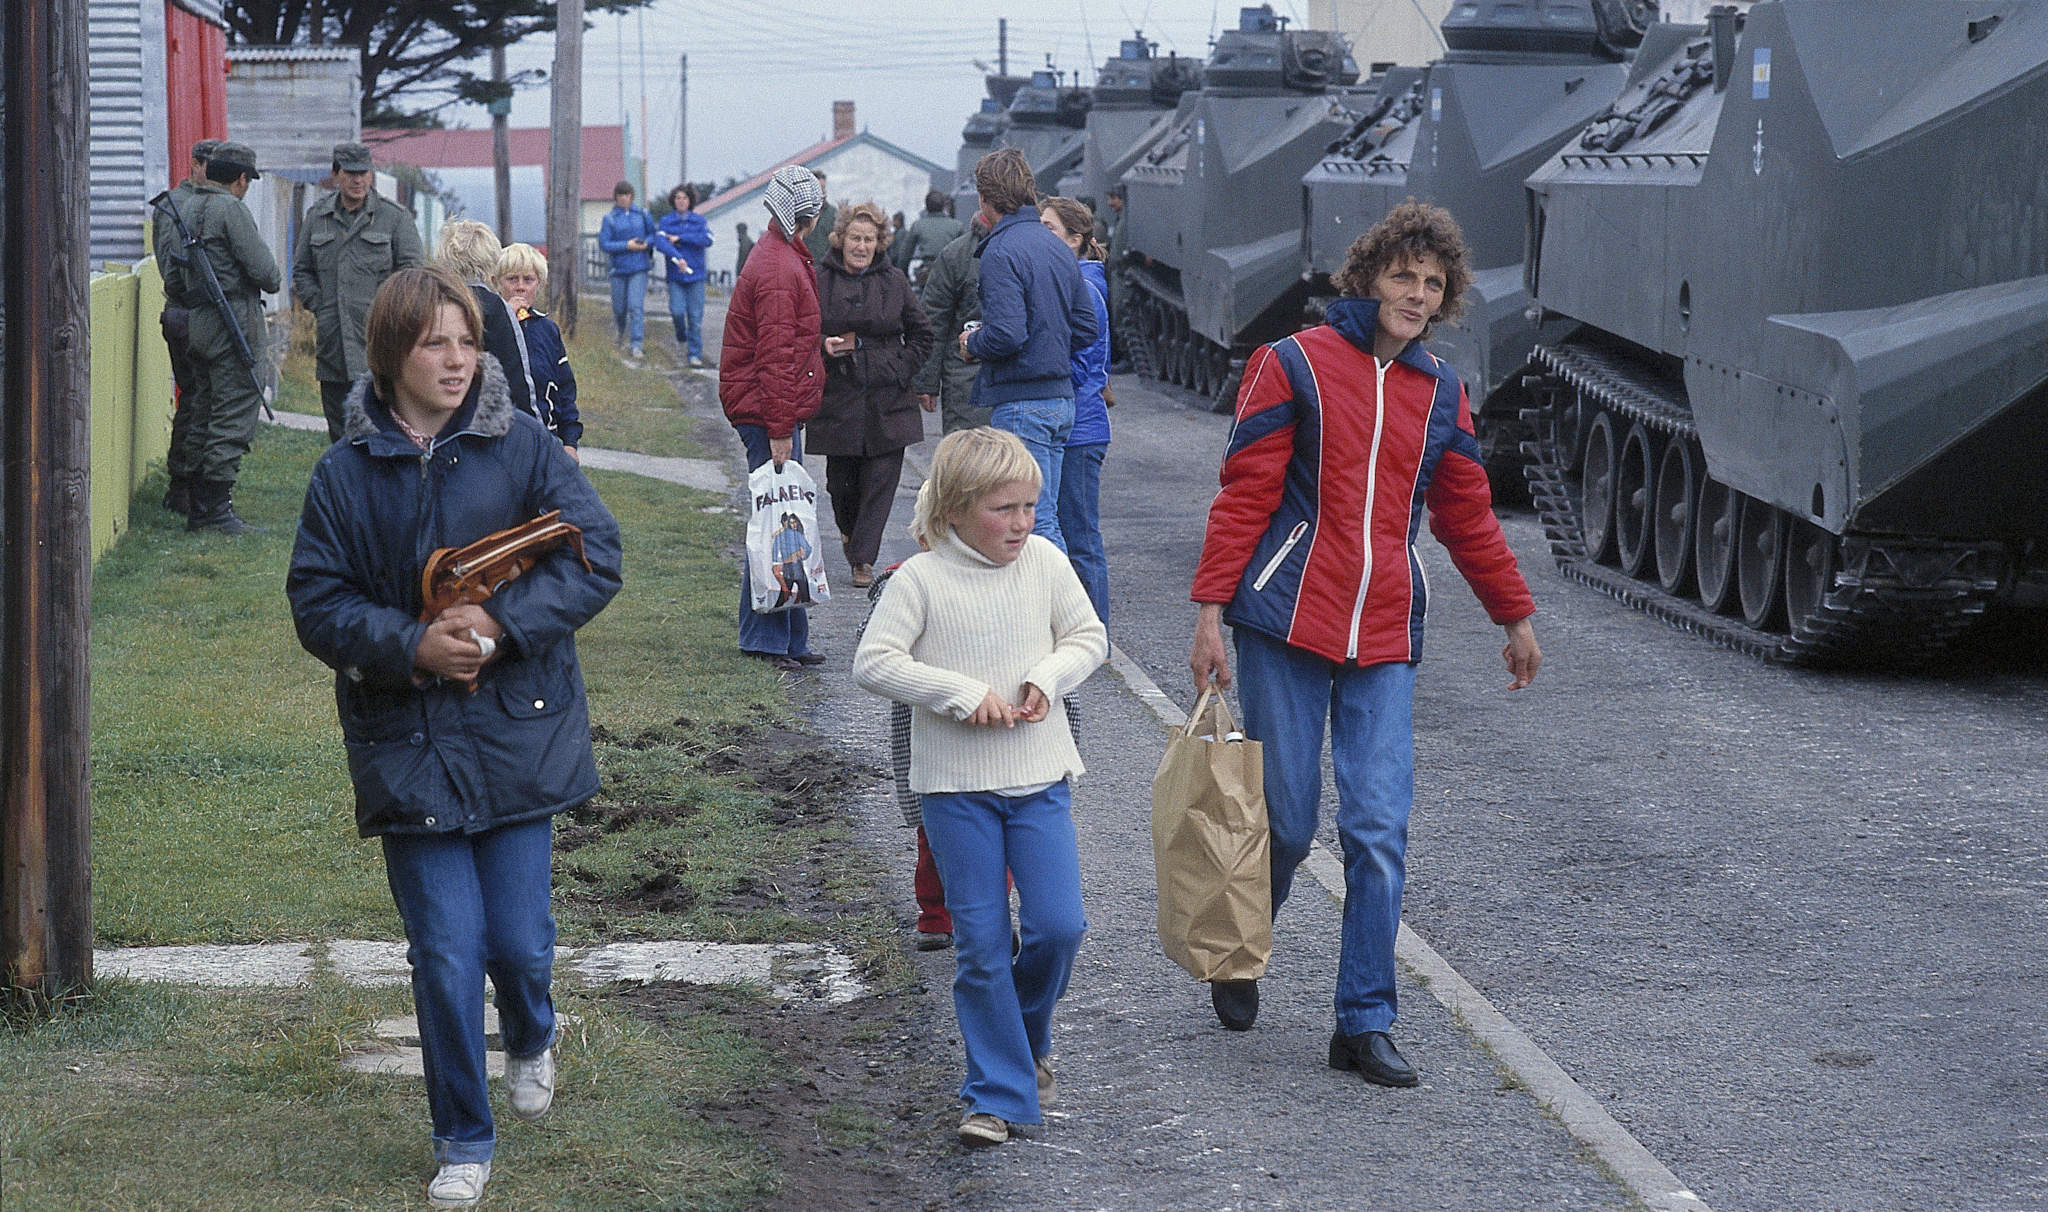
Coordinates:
[875,338]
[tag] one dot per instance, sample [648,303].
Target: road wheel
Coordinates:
[1812,557]
[1678,486]
[1596,491]
[1635,486]
[1715,525]
[1760,565]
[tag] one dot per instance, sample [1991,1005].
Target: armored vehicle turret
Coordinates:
[1132,93]
[1213,208]
[1048,122]
[1514,84]
[1805,412]
[978,137]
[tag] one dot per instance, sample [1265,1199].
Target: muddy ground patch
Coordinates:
[747,833]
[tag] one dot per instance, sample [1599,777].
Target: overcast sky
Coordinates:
[763,76]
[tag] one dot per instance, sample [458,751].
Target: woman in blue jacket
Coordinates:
[1080,496]
[685,239]
[468,731]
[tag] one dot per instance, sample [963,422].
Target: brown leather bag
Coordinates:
[454,575]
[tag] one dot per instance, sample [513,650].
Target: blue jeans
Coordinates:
[629,306]
[1287,694]
[1080,512]
[1043,425]
[786,632]
[474,904]
[1005,1004]
[686,308]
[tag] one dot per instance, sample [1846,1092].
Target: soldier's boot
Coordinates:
[213,508]
[179,497]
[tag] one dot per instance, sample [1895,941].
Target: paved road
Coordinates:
[1785,926]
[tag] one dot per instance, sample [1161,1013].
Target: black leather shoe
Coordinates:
[1373,1055]
[1236,1003]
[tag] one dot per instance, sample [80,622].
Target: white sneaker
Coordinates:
[531,1083]
[459,1184]
[1048,1086]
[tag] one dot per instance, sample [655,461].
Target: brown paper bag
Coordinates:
[1209,848]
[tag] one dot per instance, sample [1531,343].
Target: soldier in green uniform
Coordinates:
[351,241]
[176,324]
[222,427]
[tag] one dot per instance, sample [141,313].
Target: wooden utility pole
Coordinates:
[45,478]
[565,168]
[683,125]
[501,145]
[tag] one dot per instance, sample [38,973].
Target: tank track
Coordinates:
[1873,610]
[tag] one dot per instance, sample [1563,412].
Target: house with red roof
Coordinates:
[460,160]
[859,166]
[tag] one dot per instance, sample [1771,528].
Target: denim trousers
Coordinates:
[786,632]
[629,306]
[1043,425]
[1287,694]
[686,308]
[1005,1004]
[474,904]
[1080,511]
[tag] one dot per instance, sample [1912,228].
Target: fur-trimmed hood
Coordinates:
[487,412]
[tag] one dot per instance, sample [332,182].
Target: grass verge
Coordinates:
[222,813]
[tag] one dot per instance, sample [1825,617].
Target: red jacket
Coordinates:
[1328,446]
[771,367]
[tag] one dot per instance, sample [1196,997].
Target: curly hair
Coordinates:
[863,211]
[1412,229]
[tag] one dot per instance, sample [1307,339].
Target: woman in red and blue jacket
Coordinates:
[1346,434]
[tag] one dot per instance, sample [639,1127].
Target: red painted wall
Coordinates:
[196,76]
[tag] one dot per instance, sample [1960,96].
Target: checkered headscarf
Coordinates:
[794,195]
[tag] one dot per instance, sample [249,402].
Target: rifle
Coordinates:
[196,257]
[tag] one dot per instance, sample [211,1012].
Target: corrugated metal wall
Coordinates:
[128,136]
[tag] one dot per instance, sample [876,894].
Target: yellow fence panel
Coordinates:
[131,393]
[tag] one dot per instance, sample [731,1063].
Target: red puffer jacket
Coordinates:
[1333,462]
[772,368]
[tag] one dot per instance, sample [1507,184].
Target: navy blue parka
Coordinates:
[433,757]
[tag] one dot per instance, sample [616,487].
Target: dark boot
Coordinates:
[213,508]
[178,499]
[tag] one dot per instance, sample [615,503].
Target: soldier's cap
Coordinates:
[203,150]
[351,158]
[238,158]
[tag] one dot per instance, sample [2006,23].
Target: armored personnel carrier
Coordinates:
[1514,84]
[1133,91]
[1806,410]
[1213,208]
[1048,123]
[978,137]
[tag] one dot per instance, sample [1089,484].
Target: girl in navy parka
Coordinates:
[465,733]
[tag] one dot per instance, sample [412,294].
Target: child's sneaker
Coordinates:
[980,1130]
[530,1080]
[461,1184]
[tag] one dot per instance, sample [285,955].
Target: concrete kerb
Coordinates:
[1637,1169]
[707,474]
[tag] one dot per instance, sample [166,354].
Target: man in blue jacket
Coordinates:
[1035,312]
[685,237]
[625,236]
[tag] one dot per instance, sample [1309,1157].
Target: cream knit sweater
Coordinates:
[953,626]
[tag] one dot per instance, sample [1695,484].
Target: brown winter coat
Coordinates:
[869,408]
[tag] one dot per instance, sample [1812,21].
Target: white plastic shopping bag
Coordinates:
[784,564]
